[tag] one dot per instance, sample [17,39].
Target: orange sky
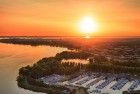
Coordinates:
[61,17]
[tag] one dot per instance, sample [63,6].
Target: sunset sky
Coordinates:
[61,17]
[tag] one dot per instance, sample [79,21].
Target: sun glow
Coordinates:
[87,25]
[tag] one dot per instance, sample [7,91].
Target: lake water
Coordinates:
[13,57]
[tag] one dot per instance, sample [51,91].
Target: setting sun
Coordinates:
[69,46]
[87,25]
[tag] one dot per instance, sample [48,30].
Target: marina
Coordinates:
[97,83]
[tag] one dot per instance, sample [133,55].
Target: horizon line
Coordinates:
[70,36]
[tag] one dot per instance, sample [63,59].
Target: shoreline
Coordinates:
[53,65]
[56,61]
[43,88]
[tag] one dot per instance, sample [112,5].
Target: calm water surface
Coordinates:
[13,57]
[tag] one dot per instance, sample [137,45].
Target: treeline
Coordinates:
[36,42]
[129,63]
[48,66]
[73,55]
[114,66]
[28,75]
[53,65]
